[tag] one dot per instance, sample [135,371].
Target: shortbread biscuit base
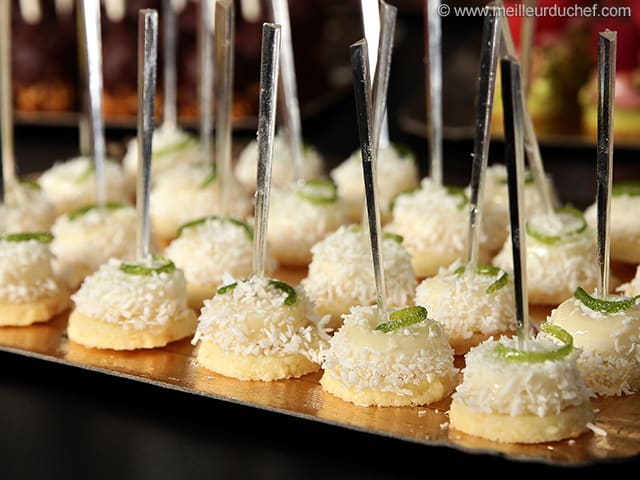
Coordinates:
[92,332]
[23,314]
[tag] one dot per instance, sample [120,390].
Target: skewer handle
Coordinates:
[514,156]
[169,31]
[205,39]
[8,170]
[266,130]
[433,41]
[147,59]
[607,49]
[362,90]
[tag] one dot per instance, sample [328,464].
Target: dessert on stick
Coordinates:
[474,301]
[605,326]
[193,190]
[397,166]
[522,389]
[261,328]
[378,357]
[23,206]
[143,303]
[171,143]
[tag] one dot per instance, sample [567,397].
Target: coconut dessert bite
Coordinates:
[26,209]
[211,249]
[87,237]
[340,274]
[30,292]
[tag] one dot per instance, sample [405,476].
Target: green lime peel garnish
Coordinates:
[290,299]
[318,191]
[194,223]
[536,357]
[604,306]
[137,269]
[210,178]
[176,147]
[84,176]
[42,237]
[79,212]
[405,317]
[557,239]
[491,271]
[391,236]
[392,203]
[32,184]
[458,192]
[629,187]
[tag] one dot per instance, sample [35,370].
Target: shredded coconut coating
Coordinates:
[282,168]
[610,344]
[164,139]
[252,319]
[26,274]
[555,271]
[295,225]
[209,252]
[341,271]
[431,221]
[68,185]
[396,173]
[495,206]
[83,244]
[459,301]
[137,302]
[26,209]
[361,357]
[494,385]
[178,197]
[624,232]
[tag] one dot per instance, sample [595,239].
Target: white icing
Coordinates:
[134,301]
[494,385]
[361,357]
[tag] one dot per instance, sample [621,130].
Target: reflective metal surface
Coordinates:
[175,367]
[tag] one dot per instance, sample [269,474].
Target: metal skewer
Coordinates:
[527,35]
[8,170]
[147,60]
[486,89]
[225,34]
[514,156]
[607,49]
[266,130]
[362,90]
[280,13]
[433,41]
[90,13]
[84,133]
[205,38]
[170,80]
[372,21]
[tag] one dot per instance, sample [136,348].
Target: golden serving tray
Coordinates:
[616,435]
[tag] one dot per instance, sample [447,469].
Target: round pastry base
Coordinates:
[23,314]
[422,394]
[94,333]
[253,367]
[570,423]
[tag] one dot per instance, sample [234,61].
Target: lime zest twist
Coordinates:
[210,178]
[84,176]
[402,318]
[490,271]
[604,306]
[30,183]
[174,147]
[568,213]
[626,187]
[199,221]
[458,192]
[79,212]
[318,191]
[290,299]
[408,191]
[167,266]
[514,354]
[390,235]
[42,237]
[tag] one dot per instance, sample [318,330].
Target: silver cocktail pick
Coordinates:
[607,49]
[205,38]
[514,156]
[527,35]
[280,13]
[147,60]
[90,13]
[486,88]
[170,79]
[433,41]
[225,34]
[8,170]
[266,130]
[362,91]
